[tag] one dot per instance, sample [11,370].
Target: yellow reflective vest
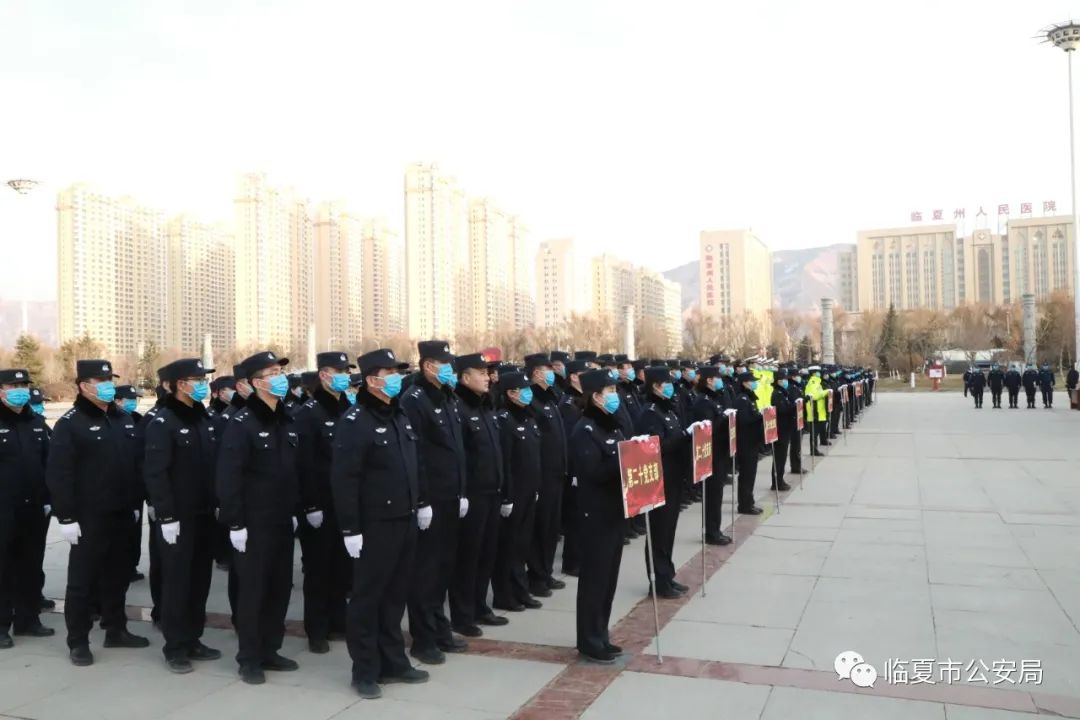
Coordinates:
[817,396]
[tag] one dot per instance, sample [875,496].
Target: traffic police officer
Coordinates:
[437,421]
[327,568]
[375,481]
[181,452]
[258,490]
[92,481]
[24,508]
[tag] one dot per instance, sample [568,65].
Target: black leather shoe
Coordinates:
[532,603]
[539,591]
[319,647]
[5,641]
[604,659]
[516,607]
[613,649]
[337,636]
[81,656]
[47,604]
[751,511]
[252,674]
[719,540]
[124,639]
[38,630]
[412,676]
[179,665]
[492,620]
[679,586]
[136,576]
[818,453]
[454,645]
[279,663]
[471,631]
[200,652]
[429,656]
[800,471]
[784,487]
[556,584]
[367,690]
[668,593]
[570,570]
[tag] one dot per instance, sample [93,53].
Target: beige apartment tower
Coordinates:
[384,282]
[491,252]
[563,282]
[201,275]
[339,274]
[735,274]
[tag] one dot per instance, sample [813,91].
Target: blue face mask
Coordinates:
[691,375]
[17,397]
[392,385]
[723,369]
[717,384]
[279,386]
[200,391]
[129,405]
[754,385]
[631,374]
[351,395]
[446,371]
[339,382]
[613,374]
[784,384]
[105,391]
[667,390]
[549,378]
[38,408]
[526,396]
[676,374]
[611,403]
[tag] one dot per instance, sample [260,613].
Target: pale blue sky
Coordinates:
[628,125]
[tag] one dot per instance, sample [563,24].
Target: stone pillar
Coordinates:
[1030,350]
[208,354]
[628,332]
[828,351]
[311,347]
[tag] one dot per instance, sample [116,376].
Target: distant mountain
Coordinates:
[800,277]
[40,317]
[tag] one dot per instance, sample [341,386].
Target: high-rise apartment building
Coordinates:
[112,270]
[201,278]
[491,253]
[847,261]
[735,274]
[384,282]
[524,292]
[659,301]
[614,286]
[437,268]
[563,282]
[339,277]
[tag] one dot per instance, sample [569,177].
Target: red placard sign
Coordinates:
[858,389]
[800,416]
[828,400]
[642,476]
[732,446]
[769,416]
[702,453]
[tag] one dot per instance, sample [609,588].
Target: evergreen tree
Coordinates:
[890,337]
[28,356]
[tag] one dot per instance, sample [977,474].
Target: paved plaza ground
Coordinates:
[936,540]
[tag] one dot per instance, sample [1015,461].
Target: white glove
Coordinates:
[537,498]
[354,544]
[463,508]
[640,438]
[573,482]
[423,517]
[71,532]
[315,519]
[48,510]
[238,538]
[170,532]
[138,516]
[505,509]
[295,523]
[150,513]
[217,513]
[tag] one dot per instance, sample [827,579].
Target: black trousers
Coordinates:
[780,453]
[978,395]
[509,581]
[154,544]
[570,562]
[327,577]
[714,498]
[601,556]
[834,421]
[22,548]
[795,451]
[663,522]
[99,569]
[39,545]
[748,461]
[821,427]
[433,566]
[1014,397]
[136,540]
[1030,397]
[1048,396]
[264,583]
[185,575]
[377,603]
[995,397]
[478,540]
[541,559]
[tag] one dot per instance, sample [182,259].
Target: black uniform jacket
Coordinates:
[317,422]
[180,461]
[24,450]
[660,417]
[483,446]
[545,407]
[437,421]
[749,430]
[710,406]
[521,444]
[594,446]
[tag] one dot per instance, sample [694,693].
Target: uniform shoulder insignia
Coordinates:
[352,414]
[69,413]
[589,428]
[158,420]
[310,403]
[415,392]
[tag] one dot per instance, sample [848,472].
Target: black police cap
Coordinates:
[126,392]
[657,374]
[606,359]
[587,355]
[94,370]
[688,364]
[559,356]
[475,361]
[183,368]
[295,380]
[622,358]
[381,359]
[536,360]
[36,397]
[640,365]
[513,380]
[438,350]
[14,376]
[745,377]
[595,380]
[335,359]
[505,368]
[222,382]
[260,361]
[708,371]
[781,374]
[576,366]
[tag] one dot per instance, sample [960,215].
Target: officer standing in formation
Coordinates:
[710,405]
[1031,380]
[1047,381]
[1013,381]
[977,385]
[785,428]
[996,380]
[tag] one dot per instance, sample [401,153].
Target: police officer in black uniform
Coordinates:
[795,392]
[375,480]
[486,487]
[558,364]
[594,446]
[24,508]
[437,420]
[1031,379]
[127,401]
[545,405]
[180,459]
[997,383]
[1047,381]
[521,453]
[785,426]
[327,567]
[570,407]
[710,405]
[92,480]
[628,396]
[749,433]
[977,386]
[1071,379]
[1013,381]
[222,389]
[258,488]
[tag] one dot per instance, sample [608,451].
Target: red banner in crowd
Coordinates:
[702,453]
[642,476]
[858,389]
[828,400]
[800,416]
[769,416]
[732,447]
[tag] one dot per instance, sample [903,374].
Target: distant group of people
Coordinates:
[1034,381]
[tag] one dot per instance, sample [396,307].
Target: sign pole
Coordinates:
[652,584]
[704,499]
[734,495]
[775,484]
